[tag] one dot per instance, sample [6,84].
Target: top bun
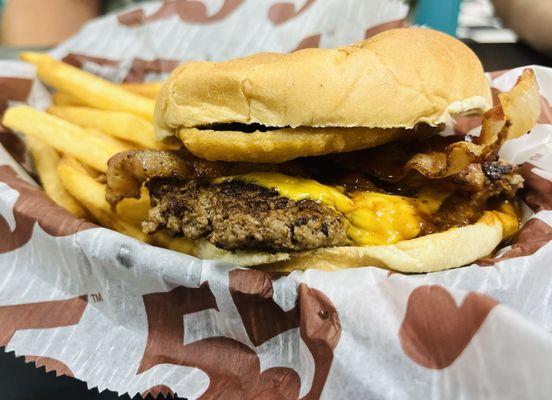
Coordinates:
[395,79]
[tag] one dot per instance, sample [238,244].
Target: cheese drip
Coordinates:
[374,218]
[509,219]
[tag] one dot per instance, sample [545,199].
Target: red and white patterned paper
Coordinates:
[119,314]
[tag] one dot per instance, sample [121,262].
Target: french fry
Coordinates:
[46,161]
[64,99]
[35,57]
[146,89]
[89,146]
[134,210]
[149,89]
[91,194]
[130,212]
[88,88]
[115,123]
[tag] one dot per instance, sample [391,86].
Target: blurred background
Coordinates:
[485,24]
[478,21]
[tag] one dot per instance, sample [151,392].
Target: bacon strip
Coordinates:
[458,158]
[127,171]
[439,158]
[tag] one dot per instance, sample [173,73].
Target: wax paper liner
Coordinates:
[119,314]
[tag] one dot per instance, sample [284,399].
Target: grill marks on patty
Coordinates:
[237,215]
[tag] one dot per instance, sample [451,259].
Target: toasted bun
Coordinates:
[395,79]
[244,258]
[285,144]
[439,251]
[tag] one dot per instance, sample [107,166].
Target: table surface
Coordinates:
[21,381]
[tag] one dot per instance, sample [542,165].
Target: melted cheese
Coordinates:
[382,219]
[507,215]
[373,218]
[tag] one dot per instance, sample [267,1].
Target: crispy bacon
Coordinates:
[456,157]
[501,181]
[516,114]
[127,171]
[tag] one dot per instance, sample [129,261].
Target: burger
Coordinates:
[334,158]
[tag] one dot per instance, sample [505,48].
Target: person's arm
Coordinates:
[530,19]
[44,23]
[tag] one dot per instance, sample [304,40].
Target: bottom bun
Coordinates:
[244,258]
[436,252]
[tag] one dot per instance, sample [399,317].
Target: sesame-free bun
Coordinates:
[396,79]
[435,252]
[286,143]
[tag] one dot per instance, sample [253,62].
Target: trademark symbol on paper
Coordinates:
[96,297]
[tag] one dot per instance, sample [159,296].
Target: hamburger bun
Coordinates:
[436,252]
[270,108]
[396,79]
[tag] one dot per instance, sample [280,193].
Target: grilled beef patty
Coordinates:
[238,215]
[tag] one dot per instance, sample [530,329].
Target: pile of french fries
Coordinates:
[91,121]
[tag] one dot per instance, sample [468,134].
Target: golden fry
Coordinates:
[130,212]
[91,194]
[46,160]
[89,146]
[64,99]
[115,123]
[283,144]
[146,89]
[88,88]
[35,57]
[134,210]
[149,90]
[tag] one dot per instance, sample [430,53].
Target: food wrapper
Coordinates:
[122,315]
